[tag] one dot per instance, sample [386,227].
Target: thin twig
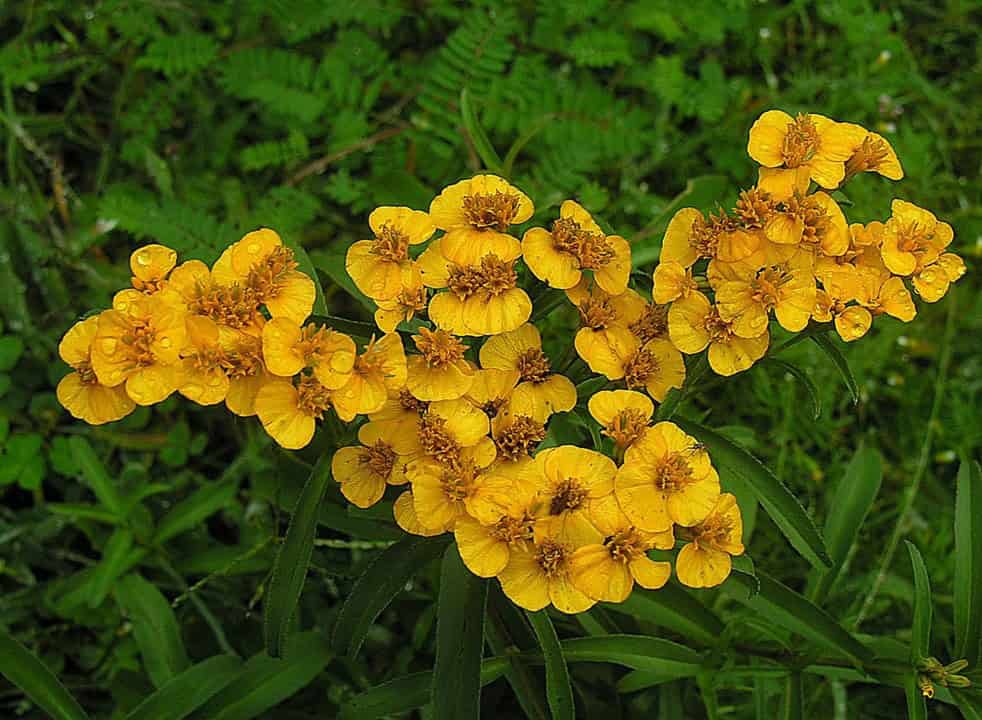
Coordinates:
[321,164]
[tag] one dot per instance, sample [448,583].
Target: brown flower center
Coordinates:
[148,287]
[625,545]
[713,532]
[412,300]
[520,438]
[653,323]
[499,276]
[870,154]
[457,482]
[641,366]
[313,399]
[552,557]
[754,208]
[266,279]
[596,313]
[391,244]
[380,457]
[765,288]
[705,234]
[513,530]
[412,404]
[139,341]
[491,211]
[591,249]
[86,374]
[439,348]
[719,329]
[569,495]
[233,306]
[533,365]
[626,427]
[436,440]
[801,142]
[912,237]
[672,474]
[464,280]
[245,360]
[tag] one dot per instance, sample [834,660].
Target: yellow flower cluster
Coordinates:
[787,249]
[459,421]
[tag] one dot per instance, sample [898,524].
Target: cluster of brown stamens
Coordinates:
[491,211]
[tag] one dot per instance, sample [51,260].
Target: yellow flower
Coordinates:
[492,389]
[604,338]
[448,427]
[140,347]
[404,511]
[381,368]
[606,571]
[289,348]
[542,573]
[787,288]
[376,266]
[203,378]
[576,244]
[476,214]
[365,470]
[408,302]
[571,481]
[862,253]
[150,265]
[440,371]
[651,324]
[666,478]
[504,520]
[246,373]
[872,153]
[832,305]
[913,238]
[516,433]
[814,221]
[267,270]
[690,236]
[80,392]
[794,150]
[932,282]
[192,287]
[693,323]
[442,491]
[289,413]
[885,293]
[400,411]
[671,282]
[657,366]
[705,560]
[539,389]
[623,414]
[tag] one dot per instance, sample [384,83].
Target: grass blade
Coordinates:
[459,640]
[558,689]
[783,507]
[920,640]
[382,580]
[968,562]
[290,567]
[916,702]
[114,563]
[188,691]
[793,702]
[155,628]
[22,668]
[482,146]
[840,362]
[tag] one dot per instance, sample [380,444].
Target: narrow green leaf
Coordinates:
[853,498]
[707,690]
[783,606]
[382,580]
[22,668]
[558,689]
[357,328]
[482,146]
[459,640]
[332,262]
[408,692]
[840,362]
[95,475]
[916,702]
[969,703]
[642,680]
[673,608]
[634,651]
[112,565]
[186,692]
[968,563]
[305,266]
[155,628]
[802,377]
[507,629]
[190,512]
[83,511]
[792,704]
[920,640]
[264,682]
[290,567]
[779,502]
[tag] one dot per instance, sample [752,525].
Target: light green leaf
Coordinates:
[305,266]
[382,580]
[186,692]
[920,640]
[22,668]
[840,362]
[916,702]
[673,608]
[482,146]
[969,703]
[290,567]
[634,651]
[83,511]
[792,704]
[155,628]
[112,565]
[559,692]
[190,512]
[779,502]
[459,640]
[332,262]
[96,476]
[968,562]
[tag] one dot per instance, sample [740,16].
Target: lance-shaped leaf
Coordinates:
[783,507]
[639,652]
[968,563]
[802,377]
[382,580]
[839,360]
[188,691]
[96,475]
[482,146]
[916,702]
[290,567]
[674,608]
[22,668]
[792,704]
[920,634]
[558,689]
[190,512]
[155,628]
[459,640]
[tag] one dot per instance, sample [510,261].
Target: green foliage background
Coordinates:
[189,123]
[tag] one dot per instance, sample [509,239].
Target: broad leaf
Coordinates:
[559,692]
[382,580]
[968,563]
[459,640]
[920,634]
[186,692]
[22,668]
[839,360]
[779,502]
[155,628]
[290,567]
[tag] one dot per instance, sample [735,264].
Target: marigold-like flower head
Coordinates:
[913,238]
[694,323]
[623,415]
[289,411]
[150,265]
[376,266]
[439,371]
[705,560]
[691,236]
[363,471]
[80,392]
[289,348]
[872,153]
[381,368]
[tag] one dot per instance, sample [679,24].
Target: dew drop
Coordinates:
[109,345]
[254,248]
[166,343]
[143,259]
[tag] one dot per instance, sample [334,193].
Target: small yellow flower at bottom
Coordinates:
[705,560]
[365,470]
[440,371]
[80,392]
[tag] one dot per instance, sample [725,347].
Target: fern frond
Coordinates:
[183,54]
[274,152]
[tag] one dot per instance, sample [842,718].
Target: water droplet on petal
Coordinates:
[166,343]
[254,248]
[143,258]
[109,346]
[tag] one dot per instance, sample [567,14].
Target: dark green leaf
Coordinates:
[112,565]
[186,692]
[792,704]
[305,266]
[155,628]
[707,690]
[290,567]
[968,702]
[332,262]
[852,500]
[22,668]
[82,511]
[673,608]
[96,476]
[482,146]
[634,651]
[803,378]
[779,502]
[190,512]
[264,682]
[839,360]
[968,563]
[382,580]
[459,640]
[916,702]
[920,640]
[558,689]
